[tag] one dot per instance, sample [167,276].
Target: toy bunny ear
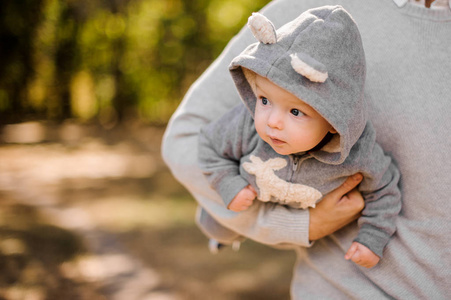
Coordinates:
[262,28]
[309,67]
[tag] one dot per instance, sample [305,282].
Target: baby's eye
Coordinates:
[264,100]
[296,112]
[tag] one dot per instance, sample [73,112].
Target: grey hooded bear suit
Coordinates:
[326,41]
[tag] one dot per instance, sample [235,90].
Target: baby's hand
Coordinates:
[243,199]
[362,255]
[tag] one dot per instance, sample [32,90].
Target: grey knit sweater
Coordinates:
[408,90]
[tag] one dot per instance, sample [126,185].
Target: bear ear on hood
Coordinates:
[262,28]
[309,67]
[265,32]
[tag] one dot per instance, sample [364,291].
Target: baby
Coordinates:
[302,128]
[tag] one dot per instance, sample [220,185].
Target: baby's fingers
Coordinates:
[243,204]
[249,187]
[248,202]
[362,255]
[351,251]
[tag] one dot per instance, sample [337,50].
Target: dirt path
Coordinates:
[89,213]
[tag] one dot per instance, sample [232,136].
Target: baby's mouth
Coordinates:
[276,141]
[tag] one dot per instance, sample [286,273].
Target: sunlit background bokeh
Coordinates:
[108,60]
[88,210]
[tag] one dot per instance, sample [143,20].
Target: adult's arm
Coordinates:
[212,95]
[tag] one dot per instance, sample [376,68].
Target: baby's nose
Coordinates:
[275,120]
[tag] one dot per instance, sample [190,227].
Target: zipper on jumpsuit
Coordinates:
[297,160]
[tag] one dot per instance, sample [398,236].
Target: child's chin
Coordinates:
[281,151]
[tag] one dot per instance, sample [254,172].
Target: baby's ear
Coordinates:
[262,28]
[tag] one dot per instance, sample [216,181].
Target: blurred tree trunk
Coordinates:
[17,28]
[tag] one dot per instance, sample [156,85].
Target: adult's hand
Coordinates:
[337,209]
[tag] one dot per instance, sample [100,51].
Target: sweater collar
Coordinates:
[439,11]
[441,4]
[437,4]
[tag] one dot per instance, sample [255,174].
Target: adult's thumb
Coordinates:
[350,183]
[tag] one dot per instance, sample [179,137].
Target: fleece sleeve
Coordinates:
[382,196]
[221,145]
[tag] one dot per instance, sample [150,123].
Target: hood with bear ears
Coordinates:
[319,58]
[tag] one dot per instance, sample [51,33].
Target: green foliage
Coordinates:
[107,60]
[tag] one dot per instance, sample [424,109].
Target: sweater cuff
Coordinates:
[288,226]
[230,187]
[373,238]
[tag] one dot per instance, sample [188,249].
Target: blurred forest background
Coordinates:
[88,209]
[107,60]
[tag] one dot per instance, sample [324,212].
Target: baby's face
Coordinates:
[285,122]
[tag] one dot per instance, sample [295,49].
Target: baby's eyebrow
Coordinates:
[259,88]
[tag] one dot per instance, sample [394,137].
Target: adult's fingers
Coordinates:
[343,194]
[350,183]
[337,209]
